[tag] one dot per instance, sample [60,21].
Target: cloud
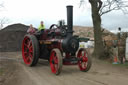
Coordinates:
[114,20]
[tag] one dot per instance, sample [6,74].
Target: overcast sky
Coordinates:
[50,11]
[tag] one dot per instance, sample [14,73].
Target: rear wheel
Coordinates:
[84,61]
[30,50]
[56,61]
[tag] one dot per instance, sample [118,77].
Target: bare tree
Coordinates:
[95,8]
[111,5]
[99,8]
[96,18]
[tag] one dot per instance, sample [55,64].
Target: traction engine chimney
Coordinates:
[70,20]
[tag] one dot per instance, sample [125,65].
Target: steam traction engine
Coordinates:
[56,44]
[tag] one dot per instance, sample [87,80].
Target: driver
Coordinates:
[41,27]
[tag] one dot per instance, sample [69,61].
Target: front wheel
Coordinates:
[56,61]
[84,60]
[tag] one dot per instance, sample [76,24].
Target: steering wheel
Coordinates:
[51,27]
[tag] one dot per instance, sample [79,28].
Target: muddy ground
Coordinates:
[14,72]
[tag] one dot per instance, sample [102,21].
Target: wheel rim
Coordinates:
[54,62]
[27,50]
[83,60]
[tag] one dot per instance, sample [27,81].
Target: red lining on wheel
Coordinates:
[27,50]
[54,62]
[82,63]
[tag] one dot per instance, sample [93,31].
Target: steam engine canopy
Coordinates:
[70,44]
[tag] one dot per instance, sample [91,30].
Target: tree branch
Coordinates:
[3,21]
[81,2]
[99,4]
[110,5]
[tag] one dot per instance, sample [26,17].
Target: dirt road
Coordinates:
[14,72]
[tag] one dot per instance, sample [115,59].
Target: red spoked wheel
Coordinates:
[56,61]
[84,61]
[30,50]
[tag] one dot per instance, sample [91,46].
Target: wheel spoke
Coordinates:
[53,54]
[80,63]
[25,52]
[84,53]
[55,60]
[30,58]
[56,67]
[30,49]
[80,55]
[85,65]
[30,43]
[27,59]
[30,55]
[85,59]
[25,49]
[25,45]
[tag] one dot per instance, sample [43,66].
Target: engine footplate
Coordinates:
[70,61]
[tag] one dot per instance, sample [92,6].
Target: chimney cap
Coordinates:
[69,6]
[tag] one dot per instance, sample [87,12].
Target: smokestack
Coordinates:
[70,20]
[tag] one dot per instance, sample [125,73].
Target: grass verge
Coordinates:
[1,71]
